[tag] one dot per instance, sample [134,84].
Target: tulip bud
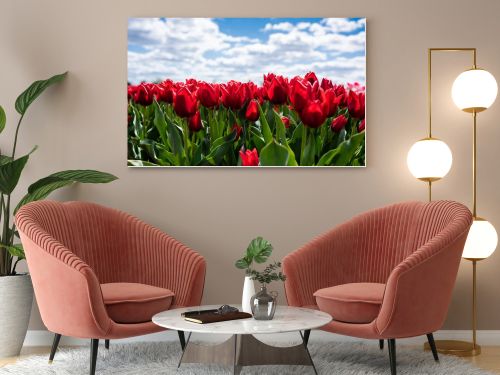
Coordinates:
[338,123]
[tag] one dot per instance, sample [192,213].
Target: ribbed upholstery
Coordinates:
[85,245]
[401,244]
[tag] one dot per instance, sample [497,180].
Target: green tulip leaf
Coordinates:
[3,119]
[344,153]
[274,154]
[140,163]
[34,91]
[309,151]
[221,147]
[281,135]
[266,130]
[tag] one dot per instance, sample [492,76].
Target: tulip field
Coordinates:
[299,121]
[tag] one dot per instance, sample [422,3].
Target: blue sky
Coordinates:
[221,49]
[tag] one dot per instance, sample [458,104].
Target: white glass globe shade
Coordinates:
[474,90]
[429,159]
[481,241]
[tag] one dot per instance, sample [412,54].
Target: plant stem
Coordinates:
[15,137]
[303,143]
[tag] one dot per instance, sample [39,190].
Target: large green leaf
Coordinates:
[258,250]
[273,154]
[242,263]
[3,119]
[4,159]
[10,172]
[29,95]
[43,187]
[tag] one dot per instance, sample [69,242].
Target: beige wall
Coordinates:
[81,124]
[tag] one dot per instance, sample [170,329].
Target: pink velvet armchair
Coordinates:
[385,274]
[99,273]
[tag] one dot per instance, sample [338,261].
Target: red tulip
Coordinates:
[249,158]
[142,94]
[234,94]
[356,104]
[185,104]
[254,92]
[286,121]
[311,78]
[277,89]
[314,114]
[165,91]
[194,122]
[332,102]
[192,85]
[238,130]
[341,93]
[361,126]
[252,112]
[338,123]
[326,84]
[300,93]
[208,94]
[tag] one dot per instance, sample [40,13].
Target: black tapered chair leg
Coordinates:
[94,346]
[106,344]
[55,344]
[381,344]
[432,344]
[392,355]
[307,333]
[182,339]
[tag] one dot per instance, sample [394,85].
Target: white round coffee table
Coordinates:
[242,348]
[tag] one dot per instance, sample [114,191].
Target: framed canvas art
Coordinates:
[281,92]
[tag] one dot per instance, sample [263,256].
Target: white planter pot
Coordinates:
[16,298]
[248,292]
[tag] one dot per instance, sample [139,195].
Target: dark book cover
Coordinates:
[212,317]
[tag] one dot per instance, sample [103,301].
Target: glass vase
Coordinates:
[263,304]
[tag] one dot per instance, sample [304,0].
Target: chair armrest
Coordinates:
[323,262]
[419,289]
[67,290]
[165,262]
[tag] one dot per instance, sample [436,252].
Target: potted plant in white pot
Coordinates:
[16,291]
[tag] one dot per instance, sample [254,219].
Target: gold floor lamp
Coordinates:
[430,159]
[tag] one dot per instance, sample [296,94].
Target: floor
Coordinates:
[488,360]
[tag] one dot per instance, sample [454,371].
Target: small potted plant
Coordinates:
[258,251]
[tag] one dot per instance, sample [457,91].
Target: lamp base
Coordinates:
[456,348]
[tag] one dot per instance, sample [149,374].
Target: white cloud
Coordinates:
[282,26]
[185,48]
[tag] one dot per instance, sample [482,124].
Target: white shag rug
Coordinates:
[162,358]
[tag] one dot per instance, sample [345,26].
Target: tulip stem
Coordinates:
[303,143]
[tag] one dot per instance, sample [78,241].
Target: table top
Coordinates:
[286,319]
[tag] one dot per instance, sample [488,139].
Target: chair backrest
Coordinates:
[388,235]
[92,232]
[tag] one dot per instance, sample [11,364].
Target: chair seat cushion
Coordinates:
[135,303]
[351,303]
